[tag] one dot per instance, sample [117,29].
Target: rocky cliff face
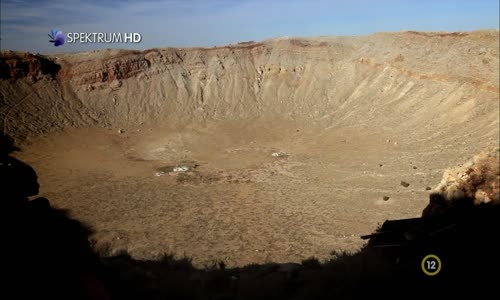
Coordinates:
[408,81]
[27,66]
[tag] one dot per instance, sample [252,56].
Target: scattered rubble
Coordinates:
[477,182]
[115,84]
[405,184]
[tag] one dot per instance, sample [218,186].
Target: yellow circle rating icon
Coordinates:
[431,265]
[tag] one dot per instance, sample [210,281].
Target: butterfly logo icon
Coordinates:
[56,37]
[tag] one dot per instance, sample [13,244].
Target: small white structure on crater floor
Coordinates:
[181,169]
[172,170]
[278,154]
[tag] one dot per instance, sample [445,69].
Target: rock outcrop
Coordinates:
[34,67]
[475,183]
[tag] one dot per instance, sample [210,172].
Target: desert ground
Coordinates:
[294,146]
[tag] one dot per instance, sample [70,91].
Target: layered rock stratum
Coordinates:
[383,80]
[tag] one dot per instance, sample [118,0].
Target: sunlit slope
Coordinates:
[425,84]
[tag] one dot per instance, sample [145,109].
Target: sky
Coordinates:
[25,25]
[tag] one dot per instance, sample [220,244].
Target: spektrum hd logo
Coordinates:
[56,37]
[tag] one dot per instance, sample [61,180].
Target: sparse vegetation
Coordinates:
[62,264]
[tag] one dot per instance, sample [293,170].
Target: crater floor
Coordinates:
[238,203]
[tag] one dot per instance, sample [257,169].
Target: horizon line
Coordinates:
[257,42]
